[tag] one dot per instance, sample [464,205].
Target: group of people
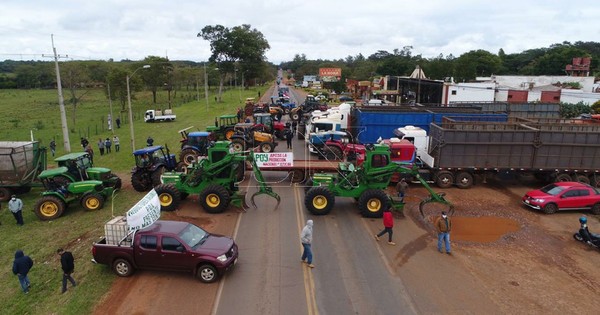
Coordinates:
[104,146]
[23,264]
[443,226]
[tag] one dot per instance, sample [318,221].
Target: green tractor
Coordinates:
[76,167]
[214,178]
[223,128]
[366,184]
[90,193]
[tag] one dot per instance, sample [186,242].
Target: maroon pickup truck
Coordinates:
[170,245]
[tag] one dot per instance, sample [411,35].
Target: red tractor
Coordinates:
[264,122]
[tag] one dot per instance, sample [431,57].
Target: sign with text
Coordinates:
[310,78]
[330,74]
[144,213]
[266,160]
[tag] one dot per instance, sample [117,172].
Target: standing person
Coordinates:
[288,137]
[84,142]
[118,121]
[107,144]
[67,264]
[15,205]
[116,143]
[388,226]
[294,126]
[101,146]
[150,141]
[21,266]
[240,114]
[52,147]
[443,225]
[90,151]
[401,188]
[306,239]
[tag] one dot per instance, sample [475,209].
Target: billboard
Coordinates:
[310,78]
[330,74]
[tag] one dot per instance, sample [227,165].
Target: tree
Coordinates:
[117,79]
[240,44]
[75,75]
[476,63]
[157,76]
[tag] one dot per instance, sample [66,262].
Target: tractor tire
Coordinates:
[156,175]
[49,208]
[372,202]
[188,156]
[319,200]
[181,167]
[5,193]
[169,196]
[92,201]
[333,154]
[141,181]
[214,199]
[122,267]
[207,273]
[228,133]
[238,145]
[267,147]
[279,134]
[294,115]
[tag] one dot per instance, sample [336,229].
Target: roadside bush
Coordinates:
[573,110]
[595,107]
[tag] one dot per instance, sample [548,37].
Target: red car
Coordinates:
[564,196]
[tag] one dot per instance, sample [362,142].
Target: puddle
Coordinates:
[481,229]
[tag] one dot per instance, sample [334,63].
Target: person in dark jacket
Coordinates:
[287,133]
[443,225]
[67,263]
[388,225]
[21,267]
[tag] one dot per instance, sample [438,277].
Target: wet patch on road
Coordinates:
[485,229]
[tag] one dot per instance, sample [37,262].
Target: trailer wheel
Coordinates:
[319,200]
[157,174]
[563,177]
[214,199]
[582,179]
[122,267]
[267,147]
[169,196]
[49,208]
[372,202]
[188,156]
[92,201]
[444,179]
[207,273]
[238,145]
[550,208]
[141,181]
[464,180]
[333,153]
[596,209]
[5,193]
[595,180]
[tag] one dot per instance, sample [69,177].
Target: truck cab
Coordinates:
[417,136]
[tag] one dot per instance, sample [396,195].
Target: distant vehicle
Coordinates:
[169,245]
[564,196]
[375,102]
[152,115]
[345,98]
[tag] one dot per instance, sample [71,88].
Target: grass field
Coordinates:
[37,111]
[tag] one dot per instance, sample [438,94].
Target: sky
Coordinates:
[134,29]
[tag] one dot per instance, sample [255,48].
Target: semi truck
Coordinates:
[457,153]
[152,115]
[20,164]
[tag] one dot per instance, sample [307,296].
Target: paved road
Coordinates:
[350,277]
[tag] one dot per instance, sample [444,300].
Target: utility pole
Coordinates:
[206,86]
[110,104]
[61,101]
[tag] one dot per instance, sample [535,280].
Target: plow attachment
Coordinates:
[437,198]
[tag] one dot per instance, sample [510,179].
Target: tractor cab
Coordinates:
[76,167]
[154,155]
[223,128]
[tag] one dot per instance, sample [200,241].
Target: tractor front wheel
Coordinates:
[372,202]
[267,147]
[92,201]
[238,145]
[157,174]
[214,199]
[319,200]
[169,196]
[49,208]
[141,181]
[188,156]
